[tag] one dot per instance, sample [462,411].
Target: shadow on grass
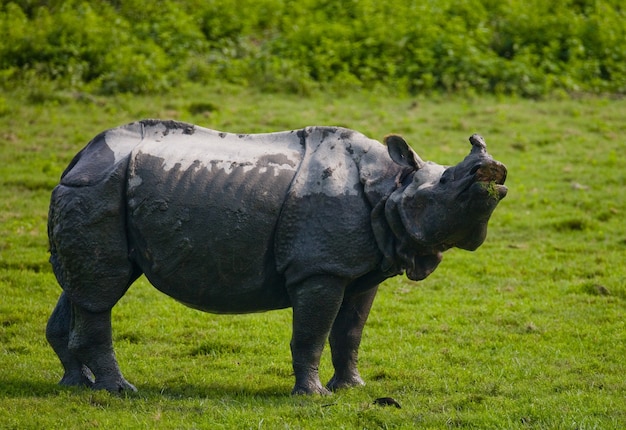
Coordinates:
[214,390]
[19,387]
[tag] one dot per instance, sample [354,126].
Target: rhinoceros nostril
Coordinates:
[475,169]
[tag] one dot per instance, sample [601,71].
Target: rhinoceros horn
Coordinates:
[478,144]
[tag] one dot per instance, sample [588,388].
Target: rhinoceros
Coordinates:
[313,219]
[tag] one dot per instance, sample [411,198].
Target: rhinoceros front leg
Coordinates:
[315,302]
[345,338]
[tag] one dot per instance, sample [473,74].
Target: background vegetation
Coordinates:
[523,47]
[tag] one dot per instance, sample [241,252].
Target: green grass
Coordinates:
[526,332]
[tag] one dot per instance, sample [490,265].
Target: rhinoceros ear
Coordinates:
[401,153]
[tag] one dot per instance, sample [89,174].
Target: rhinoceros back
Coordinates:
[202,212]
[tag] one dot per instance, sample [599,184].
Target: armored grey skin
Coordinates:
[312,219]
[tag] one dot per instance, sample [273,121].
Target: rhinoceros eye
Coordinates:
[475,169]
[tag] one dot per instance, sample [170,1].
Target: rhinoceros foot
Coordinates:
[117,385]
[78,378]
[311,388]
[337,383]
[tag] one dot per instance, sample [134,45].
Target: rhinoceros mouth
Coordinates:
[488,179]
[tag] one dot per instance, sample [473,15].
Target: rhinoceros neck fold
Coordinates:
[389,232]
[400,250]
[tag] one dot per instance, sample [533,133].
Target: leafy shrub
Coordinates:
[524,47]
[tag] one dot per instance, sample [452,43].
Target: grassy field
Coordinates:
[526,332]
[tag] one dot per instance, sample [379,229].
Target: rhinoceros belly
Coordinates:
[202,213]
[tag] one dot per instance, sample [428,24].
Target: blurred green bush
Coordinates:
[529,48]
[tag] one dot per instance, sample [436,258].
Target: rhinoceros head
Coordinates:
[442,207]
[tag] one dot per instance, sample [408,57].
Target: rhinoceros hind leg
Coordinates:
[57,333]
[90,341]
[345,338]
[315,304]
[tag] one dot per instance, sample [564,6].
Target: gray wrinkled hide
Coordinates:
[312,219]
